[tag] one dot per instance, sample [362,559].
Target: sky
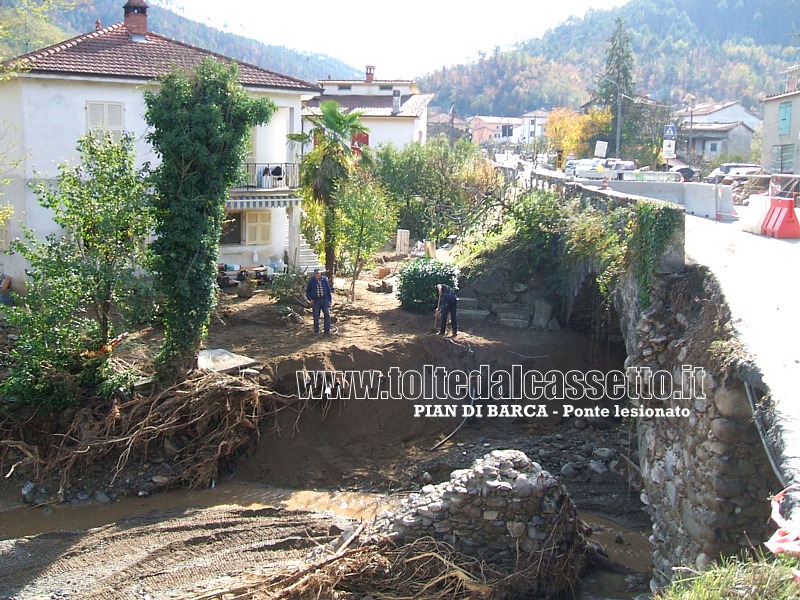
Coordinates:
[402,39]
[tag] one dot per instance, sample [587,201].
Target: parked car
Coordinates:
[617,166]
[569,167]
[589,168]
[718,174]
[743,171]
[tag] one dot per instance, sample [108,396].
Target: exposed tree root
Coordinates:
[198,423]
[423,568]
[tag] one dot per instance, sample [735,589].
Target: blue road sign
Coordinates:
[670,132]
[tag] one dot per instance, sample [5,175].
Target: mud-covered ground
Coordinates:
[375,446]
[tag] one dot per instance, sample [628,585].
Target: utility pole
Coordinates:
[690,155]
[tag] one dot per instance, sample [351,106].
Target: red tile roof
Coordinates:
[111,52]
[412,105]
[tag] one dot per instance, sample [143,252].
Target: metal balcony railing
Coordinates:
[270,176]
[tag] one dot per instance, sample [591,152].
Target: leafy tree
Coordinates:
[365,220]
[595,123]
[103,204]
[438,189]
[330,163]
[76,280]
[200,125]
[615,87]
[649,119]
[25,26]
[570,131]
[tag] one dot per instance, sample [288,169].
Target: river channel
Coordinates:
[633,551]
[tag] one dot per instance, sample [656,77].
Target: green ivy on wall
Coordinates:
[653,225]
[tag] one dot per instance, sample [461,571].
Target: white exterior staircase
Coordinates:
[307,260]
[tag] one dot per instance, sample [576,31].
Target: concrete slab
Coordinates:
[223,361]
[468,314]
[467,303]
[512,322]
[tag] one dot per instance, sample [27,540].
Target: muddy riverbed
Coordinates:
[339,460]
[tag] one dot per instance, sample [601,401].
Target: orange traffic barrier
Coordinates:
[769,218]
[781,221]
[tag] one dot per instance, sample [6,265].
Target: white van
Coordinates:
[718,174]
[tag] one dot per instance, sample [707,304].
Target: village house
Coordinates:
[779,144]
[711,129]
[487,130]
[393,110]
[447,124]
[533,125]
[96,80]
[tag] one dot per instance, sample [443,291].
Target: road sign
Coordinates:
[600,148]
[670,132]
[668,149]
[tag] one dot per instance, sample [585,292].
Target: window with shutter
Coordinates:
[784,118]
[259,227]
[109,116]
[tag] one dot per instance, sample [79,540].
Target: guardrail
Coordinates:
[659,176]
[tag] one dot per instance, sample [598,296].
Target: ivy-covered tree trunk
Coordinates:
[201,124]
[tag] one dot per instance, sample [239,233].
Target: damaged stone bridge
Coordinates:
[707,477]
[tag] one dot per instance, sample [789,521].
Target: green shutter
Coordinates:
[785,118]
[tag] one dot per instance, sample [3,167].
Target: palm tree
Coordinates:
[330,162]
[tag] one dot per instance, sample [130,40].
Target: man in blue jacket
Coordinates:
[448,303]
[318,292]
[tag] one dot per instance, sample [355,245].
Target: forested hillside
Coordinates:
[716,50]
[81,19]
[712,50]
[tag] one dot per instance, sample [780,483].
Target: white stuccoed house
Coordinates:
[96,80]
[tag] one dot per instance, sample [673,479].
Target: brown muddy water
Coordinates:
[634,550]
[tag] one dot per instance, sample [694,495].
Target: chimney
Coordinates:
[136,17]
[395,102]
[370,73]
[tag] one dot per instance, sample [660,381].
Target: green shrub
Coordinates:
[288,289]
[52,362]
[417,283]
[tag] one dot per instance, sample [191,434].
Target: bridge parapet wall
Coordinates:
[706,476]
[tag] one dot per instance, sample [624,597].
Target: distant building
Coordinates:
[533,125]
[781,132]
[447,124]
[393,109]
[96,81]
[495,130]
[706,140]
[711,129]
[725,112]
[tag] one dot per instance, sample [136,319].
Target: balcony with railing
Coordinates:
[269,176]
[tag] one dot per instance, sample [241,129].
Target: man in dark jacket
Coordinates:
[447,304]
[318,292]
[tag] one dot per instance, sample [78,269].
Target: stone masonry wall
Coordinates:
[503,506]
[706,476]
